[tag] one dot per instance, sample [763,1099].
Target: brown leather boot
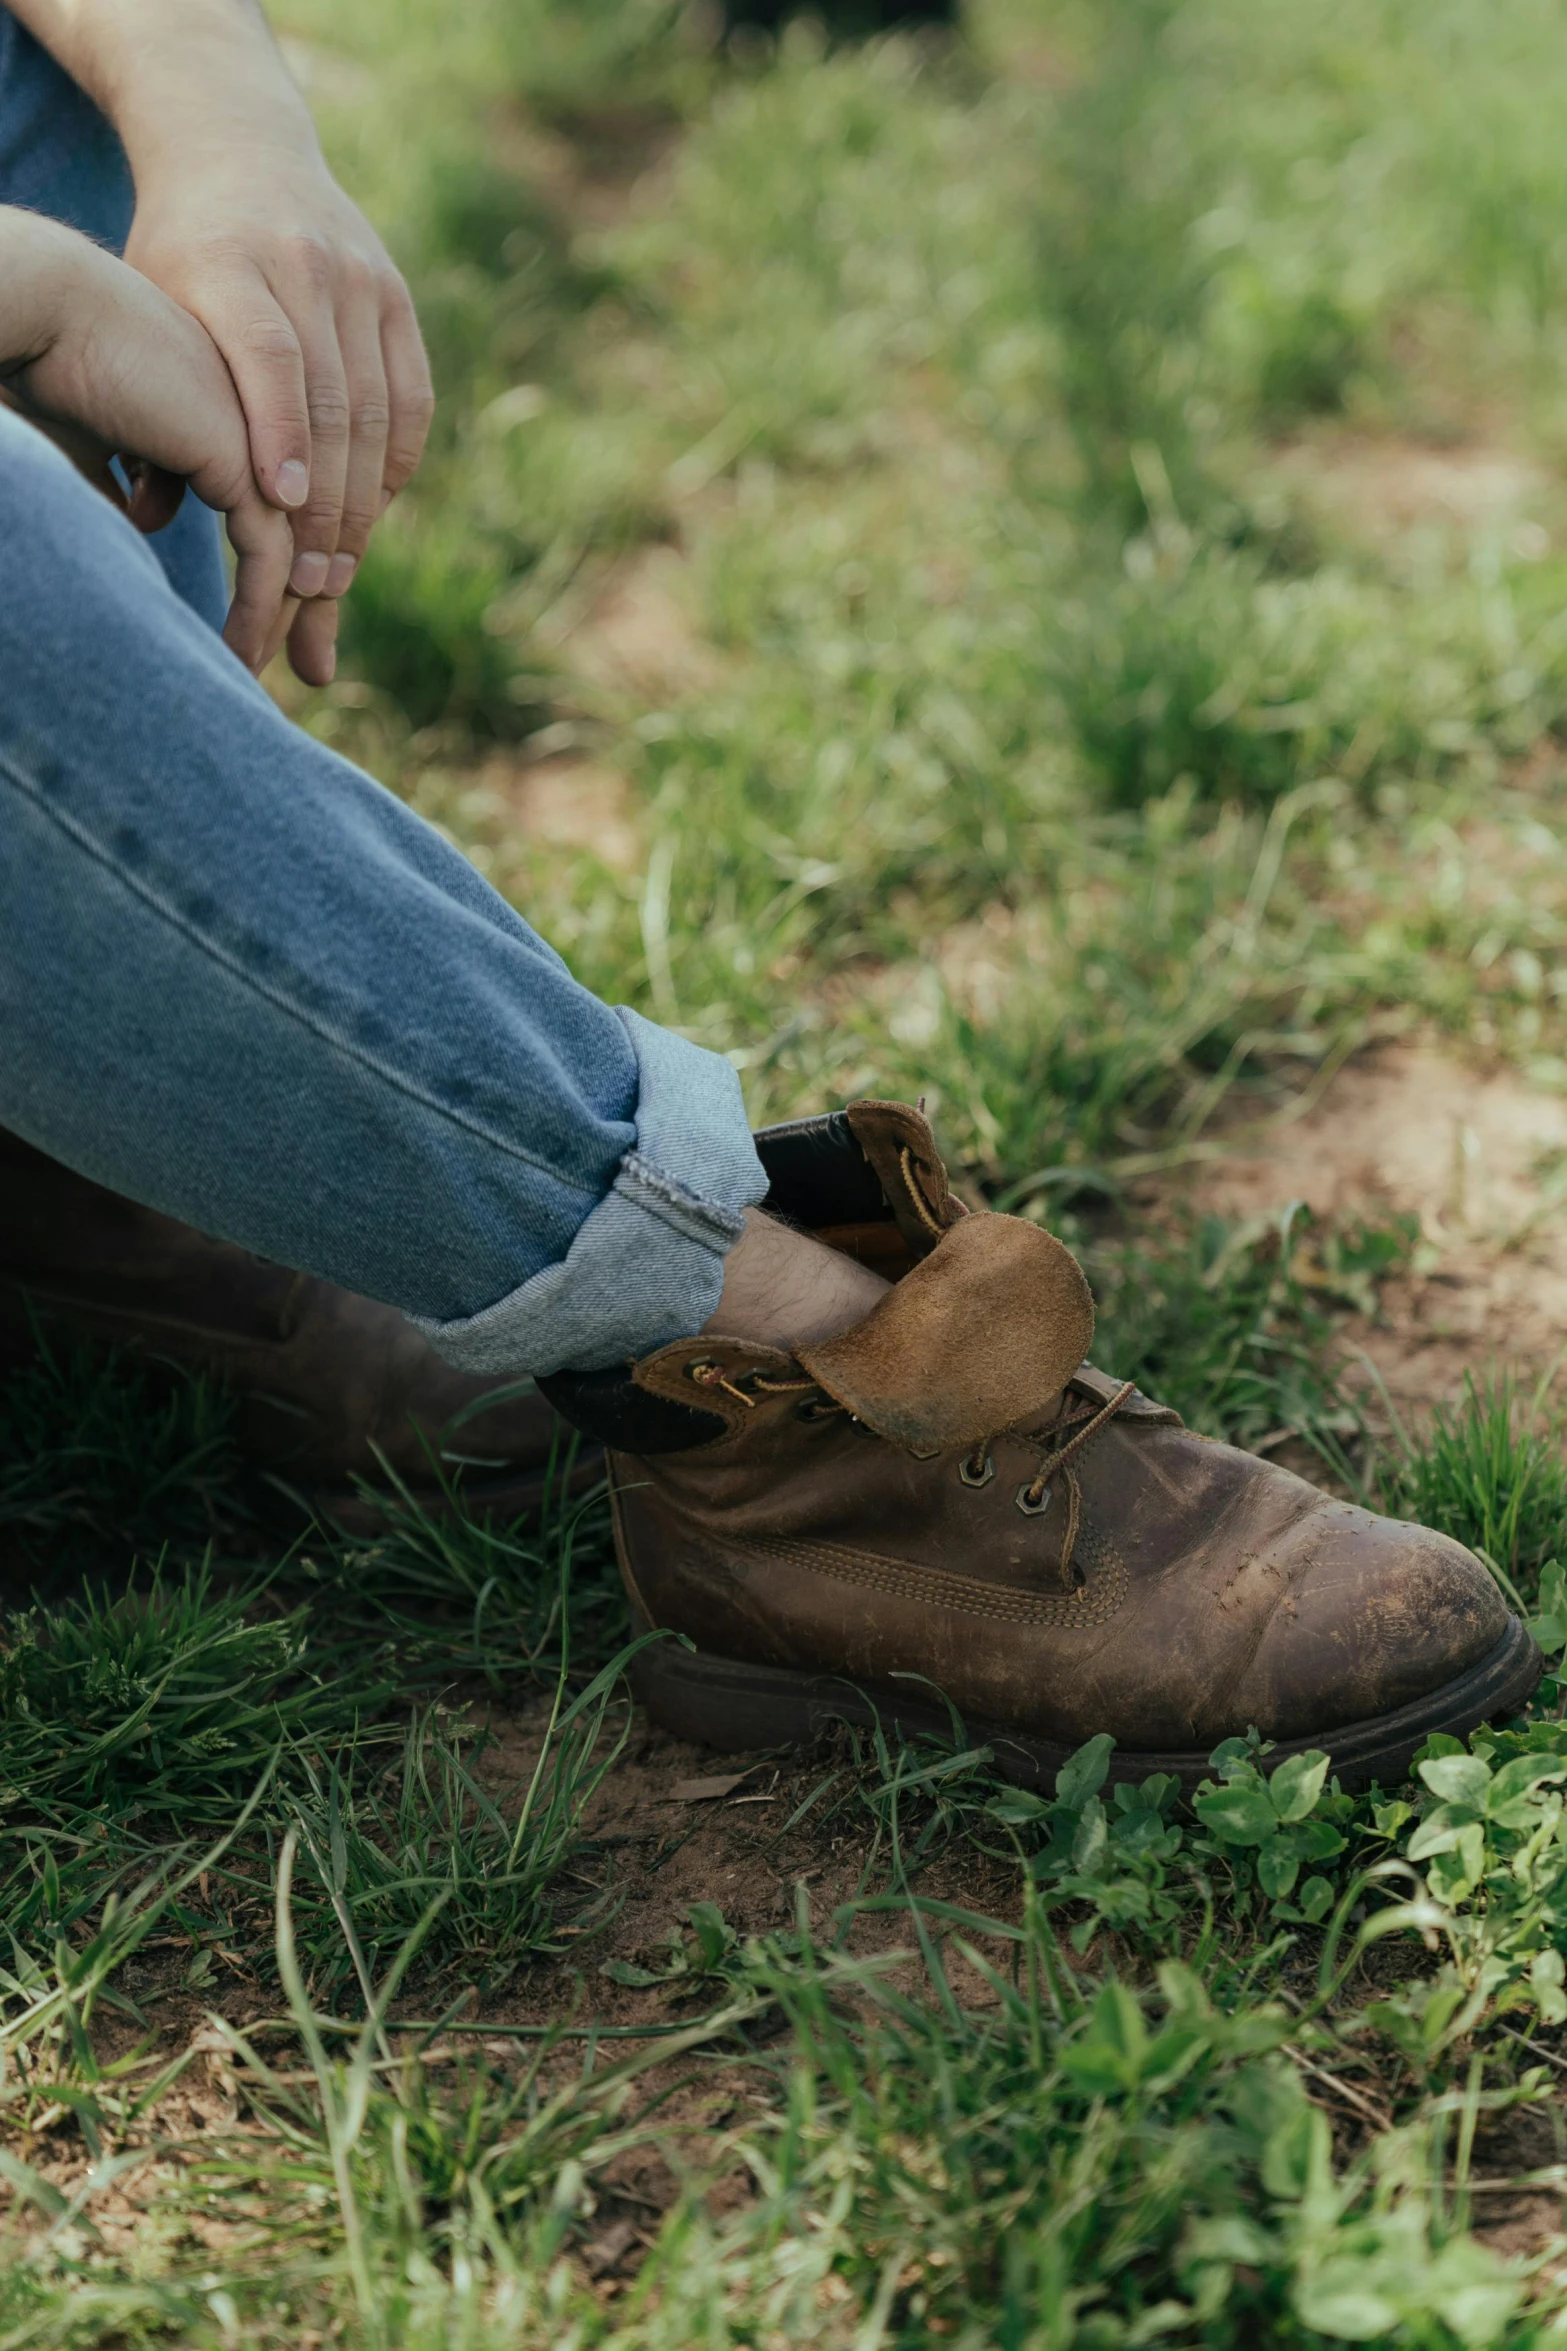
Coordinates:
[327,1379]
[947,1500]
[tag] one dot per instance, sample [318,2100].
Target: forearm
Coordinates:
[176,77]
[41,265]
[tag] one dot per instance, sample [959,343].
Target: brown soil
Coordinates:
[636,641]
[675,1825]
[672,1826]
[1480,1158]
[1376,488]
[565,801]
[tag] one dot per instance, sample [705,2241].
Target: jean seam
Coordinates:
[662,1195]
[227,962]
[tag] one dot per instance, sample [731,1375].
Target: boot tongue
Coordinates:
[898,1142]
[982,1335]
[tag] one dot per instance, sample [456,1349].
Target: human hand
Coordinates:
[254,238]
[109,367]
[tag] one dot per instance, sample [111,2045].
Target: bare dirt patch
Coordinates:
[1479,1156]
[674,1825]
[638,638]
[565,801]
[1376,488]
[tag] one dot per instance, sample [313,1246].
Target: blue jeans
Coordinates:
[242,983]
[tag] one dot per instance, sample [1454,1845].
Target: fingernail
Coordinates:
[340,574]
[308,576]
[293,482]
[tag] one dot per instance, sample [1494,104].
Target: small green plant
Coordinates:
[1269,1826]
[1488,1829]
[1112,1857]
[704,1956]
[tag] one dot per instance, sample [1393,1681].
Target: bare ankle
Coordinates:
[784,1289]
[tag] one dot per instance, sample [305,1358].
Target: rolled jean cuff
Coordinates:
[647,1264]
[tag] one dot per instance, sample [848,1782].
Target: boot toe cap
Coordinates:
[1374,1615]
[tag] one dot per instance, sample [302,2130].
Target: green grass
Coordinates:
[962,390]
[130,1726]
[1237,1329]
[1084,737]
[1089,2111]
[1011,2141]
[1493,1472]
[457,1593]
[163,1697]
[137,1455]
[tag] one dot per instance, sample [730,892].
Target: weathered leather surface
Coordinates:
[982,1334]
[1218,1590]
[899,1143]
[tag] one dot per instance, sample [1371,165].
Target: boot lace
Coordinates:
[1033,1497]
[977,1468]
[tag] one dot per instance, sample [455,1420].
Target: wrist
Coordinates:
[190,86]
[171,163]
[46,279]
[218,138]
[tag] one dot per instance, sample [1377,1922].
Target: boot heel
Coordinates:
[718,1702]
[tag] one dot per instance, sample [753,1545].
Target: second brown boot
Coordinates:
[947,1502]
[335,1389]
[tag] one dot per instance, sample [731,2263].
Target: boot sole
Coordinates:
[719,1702]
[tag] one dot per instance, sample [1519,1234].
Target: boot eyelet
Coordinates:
[924,1452]
[972,1476]
[813,1409]
[708,1374]
[1027,1503]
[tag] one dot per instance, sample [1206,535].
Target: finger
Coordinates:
[263,544]
[277,635]
[312,642]
[156,495]
[410,394]
[263,355]
[359,326]
[318,521]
